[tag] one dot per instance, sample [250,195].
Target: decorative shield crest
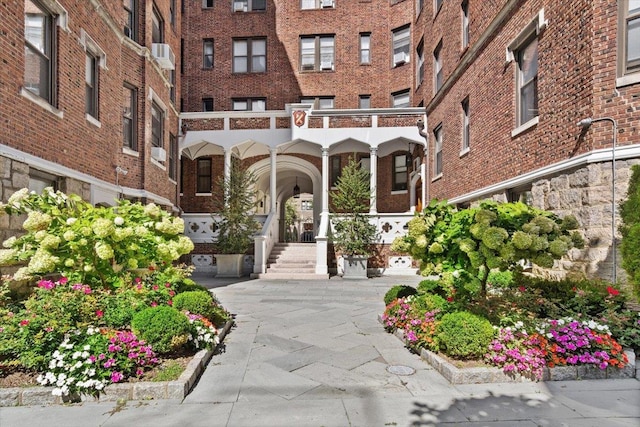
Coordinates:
[299,117]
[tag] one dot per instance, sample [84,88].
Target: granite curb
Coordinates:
[145,390]
[486,375]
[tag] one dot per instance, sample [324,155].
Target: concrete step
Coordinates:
[293,261]
[291,270]
[289,276]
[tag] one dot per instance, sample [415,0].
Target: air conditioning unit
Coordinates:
[159,154]
[239,6]
[326,3]
[326,65]
[399,58]
[164,55]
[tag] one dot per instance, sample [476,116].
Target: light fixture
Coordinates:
[585,124]
[296,190]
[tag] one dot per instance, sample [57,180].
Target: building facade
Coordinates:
[153,100]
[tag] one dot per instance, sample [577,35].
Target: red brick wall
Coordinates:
[72,141]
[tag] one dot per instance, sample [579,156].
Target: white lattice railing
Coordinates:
[200,227]
[389,226]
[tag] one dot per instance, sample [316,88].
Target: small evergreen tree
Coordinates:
[630,230]
[353,233]
[236,207]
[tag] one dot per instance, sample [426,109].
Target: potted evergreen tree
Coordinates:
[237,224]
[353,234]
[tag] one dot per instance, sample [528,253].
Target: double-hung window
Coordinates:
[249,5]
[207,104]
[335,170]
[401,99]
[157,26]
[437,67]
[250,55]
[91,85]
[319,102]
[437,4]
[157,125]
[365,48]
[172,13]
[437,161]
[39,51]
[207,53]
[420,63]
[465,125]
[129,101]
[317,53]
[399,172]
[249,104]
[629,37]
[131,19]
[401,38]
[364,101]
[207,4]
[173,156]
[527,81]
[203,184]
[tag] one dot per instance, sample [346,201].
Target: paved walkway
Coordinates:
[312,353]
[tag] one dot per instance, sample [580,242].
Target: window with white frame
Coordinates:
[317,53]
[364,101]
[401,43]
[249,5]
[420,63]
[465,124]
[207,4]
[203,181]
[629,37]
[437,161]
[419,6]
[249,104]
[401,99]
[129,102]
[131,19]
[465,23]
[39,51]
[207,53]
[399,172]
[317,4]
[157,125]
[437,67]
[527,80]
[250,55]
[91,84]
[172,87]
[365,48]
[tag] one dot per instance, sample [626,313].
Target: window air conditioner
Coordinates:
[159,154]
[326,3]
[239,6]
[164,55]
[399,58]
[326,65]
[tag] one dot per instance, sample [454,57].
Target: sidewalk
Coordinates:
[312,353]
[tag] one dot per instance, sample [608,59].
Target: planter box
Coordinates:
[229,265]
[457,375]
[355,267]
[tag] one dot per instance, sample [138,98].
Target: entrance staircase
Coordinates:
[292,261]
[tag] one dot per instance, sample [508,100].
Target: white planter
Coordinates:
[229,265]
[355,267]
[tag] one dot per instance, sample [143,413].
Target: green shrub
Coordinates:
[464,335]
[398,291]
[423,303]
[197,302]
[500,279]
[630,230]
[164,328]
[429,286]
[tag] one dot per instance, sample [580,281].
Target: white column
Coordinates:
[272,181]
[325,179]
[227,168]
[373,183]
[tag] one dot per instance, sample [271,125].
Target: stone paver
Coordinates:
[314,354]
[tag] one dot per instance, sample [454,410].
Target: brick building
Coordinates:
[293,88]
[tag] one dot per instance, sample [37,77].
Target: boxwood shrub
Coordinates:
[398,291]
[164,328]
[463,335]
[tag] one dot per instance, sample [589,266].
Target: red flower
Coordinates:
[613,291]
[522,288]
[99,313]
[24,322]
[450,299]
